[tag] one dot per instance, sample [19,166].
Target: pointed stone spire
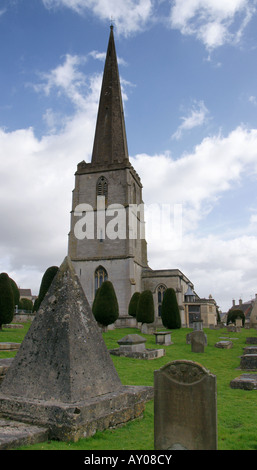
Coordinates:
[110,144]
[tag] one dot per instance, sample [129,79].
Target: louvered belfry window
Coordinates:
[102,187]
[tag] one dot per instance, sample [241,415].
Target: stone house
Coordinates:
[106,239]
[249,309]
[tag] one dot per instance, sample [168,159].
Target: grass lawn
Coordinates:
[236,409]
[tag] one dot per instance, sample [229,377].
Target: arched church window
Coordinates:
[102,187]
[100,276]
[160,293]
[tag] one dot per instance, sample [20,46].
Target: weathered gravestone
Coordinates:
[251,340]
[15,434]
[148,328]
[197,326]
[224,344]
[231,328]
[245,382]
[163,337]
[248,361]
[133,345]
[9,346]
[239,323]
[63,377]
[185,408]
[198,341]
[250,350]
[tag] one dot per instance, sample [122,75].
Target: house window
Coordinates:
[160,293]
[102,187]
[100,276]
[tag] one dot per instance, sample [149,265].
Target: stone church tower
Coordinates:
[106,240]
[109,185]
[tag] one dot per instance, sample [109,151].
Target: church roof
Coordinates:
[110,143]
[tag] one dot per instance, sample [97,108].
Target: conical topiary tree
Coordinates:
[170,310]
[132,308]
[6,300]
[16,292]
[145,307]
[94,301]
[45,284]
[106,308]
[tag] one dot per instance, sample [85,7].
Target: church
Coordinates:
[108,194]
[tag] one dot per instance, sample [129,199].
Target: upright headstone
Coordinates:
[62,376]
[239,323]
[197,341]
[185,407]
[198,325]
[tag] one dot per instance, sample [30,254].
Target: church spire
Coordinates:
[110,144]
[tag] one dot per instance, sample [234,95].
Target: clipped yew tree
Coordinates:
[45,284]
[170,310]
[94,301]
[16,292]
[106,308]
[6,300]
[132,308]
[26,304]
[145,307]
[234,314]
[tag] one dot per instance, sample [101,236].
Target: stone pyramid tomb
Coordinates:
[62,376]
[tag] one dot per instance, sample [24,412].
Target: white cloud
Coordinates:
[98,55]
[128,15]
[197,179]
[253,221]
[223,264]
[102,55]
[196,117]
[35,214]
[253,100]
[67,79]
[214,22]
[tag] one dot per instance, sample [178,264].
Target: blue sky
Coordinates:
[188,71]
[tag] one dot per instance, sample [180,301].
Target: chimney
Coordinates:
[233,302]
[240,301]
